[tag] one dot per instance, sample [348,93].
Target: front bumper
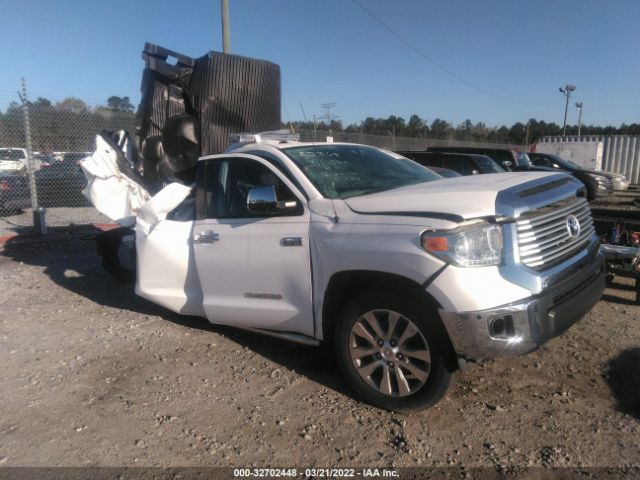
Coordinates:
[528,323]
[604,189]
[621,185]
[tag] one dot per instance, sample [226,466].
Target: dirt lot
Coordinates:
[93,375]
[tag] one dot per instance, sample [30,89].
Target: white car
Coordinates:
[13,159]
[408,275]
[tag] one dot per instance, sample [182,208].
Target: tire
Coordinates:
[392,375]
[108,246]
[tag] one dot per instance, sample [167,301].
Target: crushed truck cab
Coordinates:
[406,274]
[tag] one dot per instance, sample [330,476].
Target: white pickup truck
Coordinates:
[407,275]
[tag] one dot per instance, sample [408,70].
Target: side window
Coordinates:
[227,186]
[275,162]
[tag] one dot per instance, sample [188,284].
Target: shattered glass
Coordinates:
[343,171]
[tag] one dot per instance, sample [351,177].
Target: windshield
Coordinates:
[342,171]
[488,165]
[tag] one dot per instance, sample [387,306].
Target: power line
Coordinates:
[436,64]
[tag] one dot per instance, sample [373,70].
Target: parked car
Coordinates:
[620,182]
[597,183]
[14,193]
[13,159]
[462,163]
[508,159]
[517,161]
[408,278]
[61,183]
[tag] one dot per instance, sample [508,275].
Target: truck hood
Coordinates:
[458,198]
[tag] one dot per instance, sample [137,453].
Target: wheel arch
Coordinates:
[345,285]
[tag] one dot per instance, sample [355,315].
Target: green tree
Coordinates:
[119,104]
[72,104]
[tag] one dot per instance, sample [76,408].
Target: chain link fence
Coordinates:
[391,142]
[41,145]
[43,141]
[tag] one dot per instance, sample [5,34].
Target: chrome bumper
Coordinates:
[519,328]
[623,185]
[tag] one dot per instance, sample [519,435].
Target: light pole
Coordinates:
[566,91]
[226,48]
[579,107]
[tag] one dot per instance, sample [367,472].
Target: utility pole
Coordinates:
[225,26]
[327,107]
[566,91]
[579,107]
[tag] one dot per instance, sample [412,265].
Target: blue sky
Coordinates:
[333,51]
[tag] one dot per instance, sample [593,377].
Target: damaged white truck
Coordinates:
[407,275]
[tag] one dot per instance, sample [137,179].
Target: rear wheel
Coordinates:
[391,351]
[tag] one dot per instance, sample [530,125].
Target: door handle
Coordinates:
[206,237]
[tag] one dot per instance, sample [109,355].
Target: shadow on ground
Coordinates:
[613,285]
[618,300]
[623,377]
[73,264]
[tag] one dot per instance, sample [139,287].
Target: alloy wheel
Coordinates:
[389,352]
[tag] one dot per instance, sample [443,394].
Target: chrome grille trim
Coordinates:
[542,235]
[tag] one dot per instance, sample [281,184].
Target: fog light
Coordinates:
[501,327]
[498,326]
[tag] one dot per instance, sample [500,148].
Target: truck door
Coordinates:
[254,269]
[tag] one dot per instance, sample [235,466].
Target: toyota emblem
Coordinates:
[573,226]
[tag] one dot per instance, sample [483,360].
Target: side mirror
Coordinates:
[262,199]
[265,200]
[475,172]
[507,164]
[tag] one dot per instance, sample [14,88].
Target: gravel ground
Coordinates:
[93,375]
[22,222]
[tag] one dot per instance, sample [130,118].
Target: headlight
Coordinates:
[598,178]
[471,247]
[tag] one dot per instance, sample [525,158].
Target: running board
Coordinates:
[290,336]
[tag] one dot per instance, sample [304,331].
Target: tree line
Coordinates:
[71,125]
[518,133]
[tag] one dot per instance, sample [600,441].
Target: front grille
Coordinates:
[543,235]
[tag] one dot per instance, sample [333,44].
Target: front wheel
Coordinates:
[391,351]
